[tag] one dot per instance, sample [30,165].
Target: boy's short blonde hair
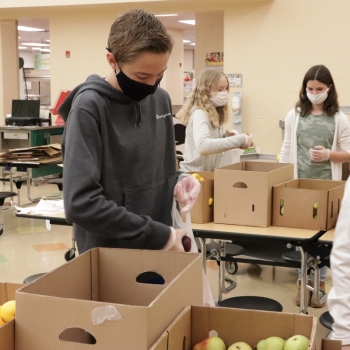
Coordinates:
[135,32]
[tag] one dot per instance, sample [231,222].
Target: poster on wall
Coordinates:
[41,62]
[235,80]
[214,59]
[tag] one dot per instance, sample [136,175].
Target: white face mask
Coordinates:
[319,98]
[218,98]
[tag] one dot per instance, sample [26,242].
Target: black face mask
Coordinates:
[135,90]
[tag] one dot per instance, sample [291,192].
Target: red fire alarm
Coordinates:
[67,54]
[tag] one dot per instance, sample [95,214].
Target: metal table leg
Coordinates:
[303,282]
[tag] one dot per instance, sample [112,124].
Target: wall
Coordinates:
[209,36]
[273,45]
[9,66]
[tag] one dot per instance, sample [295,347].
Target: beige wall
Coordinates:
[9,66]
[273,45]
[209,36]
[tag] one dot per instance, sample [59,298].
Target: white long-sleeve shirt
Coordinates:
[339,296]
[204,143]
[341,141]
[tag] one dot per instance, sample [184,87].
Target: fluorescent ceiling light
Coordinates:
[193,44]
[30,29]
[35,44]
[45,50]
[22,47]
[189,21]
[48,40]
[186,41]
[167,15]
[36,48]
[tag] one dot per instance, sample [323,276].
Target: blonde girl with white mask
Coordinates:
[204,113]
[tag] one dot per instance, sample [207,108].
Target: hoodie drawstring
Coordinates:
[138,115]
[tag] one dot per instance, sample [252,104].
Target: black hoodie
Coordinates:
[119,167]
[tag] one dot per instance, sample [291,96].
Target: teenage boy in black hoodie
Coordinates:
[119,149]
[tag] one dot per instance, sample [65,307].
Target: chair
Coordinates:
[252,303]
[180,135]
[294,256]
[32,278]
[232,250]
[326,320]
[3,196]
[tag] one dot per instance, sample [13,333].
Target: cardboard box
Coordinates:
[316,203]
[202,212]
[328,344]
[233,325]
[55,311]
[243,192]
[7,331]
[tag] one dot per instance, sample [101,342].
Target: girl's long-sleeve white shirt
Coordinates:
[341,141]
[339,296]
[204,143]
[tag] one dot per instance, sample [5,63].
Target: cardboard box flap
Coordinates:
[131,291]
[71,280]
[89,278]
[7,331]
[180,331]
[329,344]
[321,185]
[8,291]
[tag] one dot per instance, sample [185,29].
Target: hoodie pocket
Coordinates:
[154,200]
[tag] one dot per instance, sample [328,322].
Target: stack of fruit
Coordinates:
[7,312]
[296,342]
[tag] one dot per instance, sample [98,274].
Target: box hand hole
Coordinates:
[77,335]
[314,210]
[281,206]
[332,209]
[239,185]
[150,277]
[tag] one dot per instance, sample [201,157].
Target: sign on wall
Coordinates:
[235,80]
[42,61]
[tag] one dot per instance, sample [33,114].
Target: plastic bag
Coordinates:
[179,224]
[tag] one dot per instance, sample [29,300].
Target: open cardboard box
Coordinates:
[7,331]
[202,211]
[195,323]
[243,192]
[316,203]
[328,344]
[55,311]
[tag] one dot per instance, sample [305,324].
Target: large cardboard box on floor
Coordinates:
[203,210]
[195,323]
[243,192]
[329,344]
[315,203]
[57,310]
[7,331]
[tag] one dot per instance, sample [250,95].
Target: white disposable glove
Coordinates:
[231,133]
[319,153]
[186,191]
[174,243]
[248,141]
